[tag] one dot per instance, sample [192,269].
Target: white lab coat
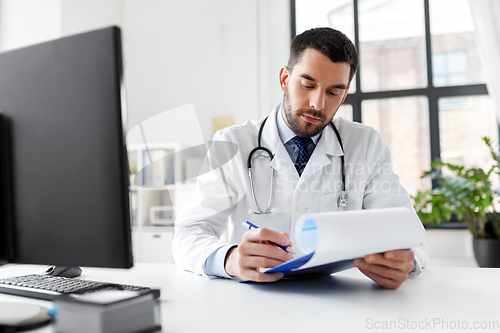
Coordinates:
[370,183]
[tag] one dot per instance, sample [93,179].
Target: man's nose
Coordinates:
[317,100]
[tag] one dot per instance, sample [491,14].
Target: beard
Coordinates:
[297,124]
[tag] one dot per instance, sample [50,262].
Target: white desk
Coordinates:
[346,302]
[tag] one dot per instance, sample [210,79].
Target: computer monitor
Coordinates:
[64,166]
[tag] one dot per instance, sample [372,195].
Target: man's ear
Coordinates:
[284,74]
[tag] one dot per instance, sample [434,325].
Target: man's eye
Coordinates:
[307,87]
[333,93]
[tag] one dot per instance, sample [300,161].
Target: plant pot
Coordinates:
[487,252]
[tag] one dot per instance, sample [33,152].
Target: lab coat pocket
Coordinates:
[329,201]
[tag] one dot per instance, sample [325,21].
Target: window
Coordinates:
[391,45]
[450,68]
[420,82]
[406,133]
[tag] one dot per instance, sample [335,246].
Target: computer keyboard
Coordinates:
[47,287]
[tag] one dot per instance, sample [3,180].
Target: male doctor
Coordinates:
[306,171]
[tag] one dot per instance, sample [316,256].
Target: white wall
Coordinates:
[451,247]
[222,55]
[274,43]
[201,52]
[204,52]
[84,15]
[26,22]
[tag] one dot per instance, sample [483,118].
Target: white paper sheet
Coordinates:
[353,234]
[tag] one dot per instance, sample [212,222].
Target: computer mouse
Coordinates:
[64,271]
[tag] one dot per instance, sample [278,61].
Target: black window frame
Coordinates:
[432,93]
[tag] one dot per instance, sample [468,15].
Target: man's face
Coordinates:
[314,91]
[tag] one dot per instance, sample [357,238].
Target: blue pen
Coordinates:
[250,226]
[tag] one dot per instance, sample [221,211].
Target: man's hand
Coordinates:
[389,269]
[255,252]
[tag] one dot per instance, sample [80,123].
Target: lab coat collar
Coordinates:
[329,140]
[281,162]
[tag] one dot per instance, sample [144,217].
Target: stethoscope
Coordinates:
[342,200]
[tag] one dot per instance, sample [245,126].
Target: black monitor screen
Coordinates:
[65,174]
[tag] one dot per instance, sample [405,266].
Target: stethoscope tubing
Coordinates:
[342,201]
[249,166]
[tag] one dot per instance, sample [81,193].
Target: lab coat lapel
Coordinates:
[328,146]
[281,162]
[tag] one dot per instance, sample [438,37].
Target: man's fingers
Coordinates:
[254,275]
[379,259]
[255,251]
[382,281]
[254,262]
[264,250]
[264,234]
[400,255]
[383,271]
[284,233]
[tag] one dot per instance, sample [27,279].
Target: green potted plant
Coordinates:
[469,195]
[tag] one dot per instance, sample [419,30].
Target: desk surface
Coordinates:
[348,301]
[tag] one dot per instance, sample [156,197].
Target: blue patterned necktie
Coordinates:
[303,144]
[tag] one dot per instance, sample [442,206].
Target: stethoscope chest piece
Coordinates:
[342,200]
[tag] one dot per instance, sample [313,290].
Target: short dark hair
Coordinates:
[330,42]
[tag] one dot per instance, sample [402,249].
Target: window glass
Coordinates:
[455,60]
[337,14]
[392,44]
[463,121]
[450,68]
[345,111]
[403,124]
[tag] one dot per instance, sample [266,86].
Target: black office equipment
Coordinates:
[6,227]
[64,185]
[47,287]
[64,172]
[64,271]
